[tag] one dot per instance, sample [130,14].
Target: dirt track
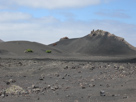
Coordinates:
[67,81]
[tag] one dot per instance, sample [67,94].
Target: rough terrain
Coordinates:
[66,81]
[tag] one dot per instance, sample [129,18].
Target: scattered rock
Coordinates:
[121,68]
[20,63]
[124,97]
[107,85]
[36,90]
[41,78]
[33,86]
[92,80]
[73,67]
[102,93]
[64,38]
[66,67]
[3,93]
[79,71]
[83,87]
[49,86]
[67,95]
[52,88]
[92,68]
[91,85]
[10,81]
[57,75]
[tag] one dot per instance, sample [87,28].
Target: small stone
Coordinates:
[101,85]
[56,87]
[73,67]
[20,63]
[48,86]
[113,95]
[124,97]
[12,81]
[33,86]
[57,75]
[79,72]
[37,90]
[92,80]
[102,93]
[124,72]
[7,83]
[52,88]
[41,78]
[66,67]
[92,68]
[68,95]
[121,68]
[3,95]
[91,85]
[83,87]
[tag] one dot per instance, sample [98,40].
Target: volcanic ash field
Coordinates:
[99,67]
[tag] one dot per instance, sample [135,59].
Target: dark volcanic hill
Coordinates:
[98,43]
[17,48]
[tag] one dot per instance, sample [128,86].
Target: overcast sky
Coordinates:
[46,21]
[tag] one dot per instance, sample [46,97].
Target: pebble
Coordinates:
[121,68]
[66,67]
[37,90]
[124,97]
[48,86]
[3,95]
[102,93]
[91,85]
[68,95]
[92,80]
[10,81]
[41,78]
[92,68]
[52,88]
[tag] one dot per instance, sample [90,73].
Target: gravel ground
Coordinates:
[66,81]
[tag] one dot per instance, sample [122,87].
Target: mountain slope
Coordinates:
[1,41]
[17,48]
[99,43]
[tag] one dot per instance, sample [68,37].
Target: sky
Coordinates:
[46,21]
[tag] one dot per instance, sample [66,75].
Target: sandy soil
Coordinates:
[66,81]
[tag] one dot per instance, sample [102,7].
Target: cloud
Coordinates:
[113,13]
[13,16]
[49,29]
[49,4]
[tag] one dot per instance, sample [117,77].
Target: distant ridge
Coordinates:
[17,48]
[1,40]
[98,43]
